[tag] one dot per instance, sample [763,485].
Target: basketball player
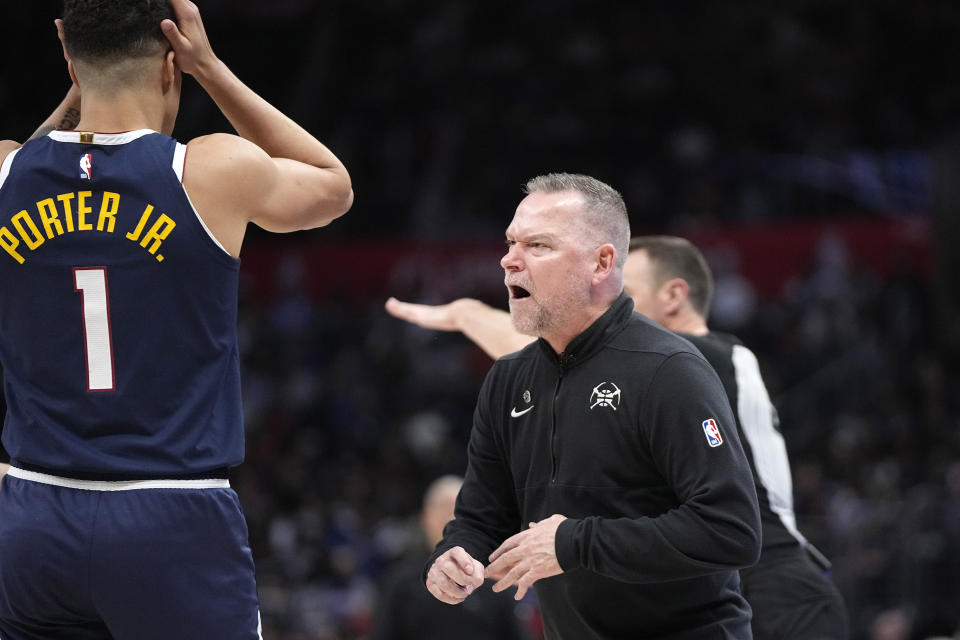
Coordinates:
[118,284]
[671,283]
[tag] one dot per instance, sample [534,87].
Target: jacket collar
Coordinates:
[594,337]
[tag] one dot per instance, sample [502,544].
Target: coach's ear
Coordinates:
[605,258]
[673,295]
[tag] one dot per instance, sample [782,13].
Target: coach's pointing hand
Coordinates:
[454,575]
[526,557]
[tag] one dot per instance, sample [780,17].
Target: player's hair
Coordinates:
[111,30]
[673,257]
[606,211]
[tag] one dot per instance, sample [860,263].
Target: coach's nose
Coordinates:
[511,260]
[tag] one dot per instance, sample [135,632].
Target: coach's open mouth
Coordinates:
[516,293]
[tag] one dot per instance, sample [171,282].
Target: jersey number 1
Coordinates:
[98,342]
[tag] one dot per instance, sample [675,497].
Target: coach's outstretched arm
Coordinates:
[303,186]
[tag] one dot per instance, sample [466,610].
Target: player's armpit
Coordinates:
[6,147]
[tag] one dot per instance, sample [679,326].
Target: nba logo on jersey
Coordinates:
[712,431]
[86,166]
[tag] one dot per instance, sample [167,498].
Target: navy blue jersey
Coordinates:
[117,312]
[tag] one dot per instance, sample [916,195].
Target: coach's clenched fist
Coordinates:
[454,575]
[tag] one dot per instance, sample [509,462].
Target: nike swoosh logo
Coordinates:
[516,414]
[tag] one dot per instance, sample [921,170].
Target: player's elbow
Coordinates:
[346,199]
[338,199]
[332,201]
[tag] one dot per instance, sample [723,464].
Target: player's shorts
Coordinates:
[793,598]
[132,560]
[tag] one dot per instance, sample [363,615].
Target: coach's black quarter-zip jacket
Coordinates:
[628,434]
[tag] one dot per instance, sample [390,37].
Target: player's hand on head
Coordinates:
[454,576]
[191,47]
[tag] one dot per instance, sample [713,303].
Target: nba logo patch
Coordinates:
[86,166]
[712,431]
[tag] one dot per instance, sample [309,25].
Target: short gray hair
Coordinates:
[606,211]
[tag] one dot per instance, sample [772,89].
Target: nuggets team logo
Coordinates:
[605,394]
[712,432]
[86,166]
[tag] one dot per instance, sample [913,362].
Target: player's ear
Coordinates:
[72,72]
[63,43]
[66,56]
[170,71]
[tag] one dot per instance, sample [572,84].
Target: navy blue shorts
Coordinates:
[142,560]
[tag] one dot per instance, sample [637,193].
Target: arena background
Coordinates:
[810,148]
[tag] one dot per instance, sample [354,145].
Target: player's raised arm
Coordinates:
[295,182]
[64,117]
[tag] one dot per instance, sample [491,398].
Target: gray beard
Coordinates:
[535,324]
[546,319]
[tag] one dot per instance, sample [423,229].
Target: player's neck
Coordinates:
[121,111]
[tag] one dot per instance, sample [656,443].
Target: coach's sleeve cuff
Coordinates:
[565,544]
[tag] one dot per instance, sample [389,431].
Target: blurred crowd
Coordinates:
[703,112]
